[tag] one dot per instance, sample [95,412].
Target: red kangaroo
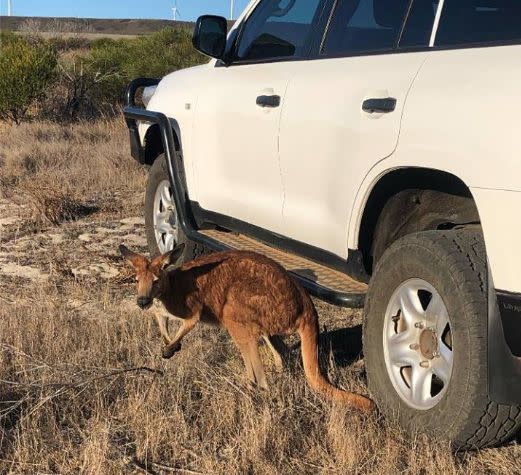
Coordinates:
[246,293]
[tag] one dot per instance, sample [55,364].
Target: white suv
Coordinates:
[371,147]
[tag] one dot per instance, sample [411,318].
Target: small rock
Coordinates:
[136,221]
[32,273]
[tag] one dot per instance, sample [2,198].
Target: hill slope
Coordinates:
[92,25]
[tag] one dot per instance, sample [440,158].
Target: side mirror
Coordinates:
[210,35]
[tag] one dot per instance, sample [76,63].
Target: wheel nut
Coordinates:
[424,364]
[418,325]
[414,346]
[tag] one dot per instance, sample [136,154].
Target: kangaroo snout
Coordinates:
[144,302]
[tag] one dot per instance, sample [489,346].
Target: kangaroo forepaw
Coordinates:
[171,350]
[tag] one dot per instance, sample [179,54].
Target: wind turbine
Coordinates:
[9,8]
[232,9]
[175,11]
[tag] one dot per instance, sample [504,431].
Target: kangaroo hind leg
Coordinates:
[279,351]
[246,337]
[249,347]
[254,369]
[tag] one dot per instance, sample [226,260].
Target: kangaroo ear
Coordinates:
[170,258]
[177,253]
[130,256]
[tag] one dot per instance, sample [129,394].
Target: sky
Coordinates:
[189,9]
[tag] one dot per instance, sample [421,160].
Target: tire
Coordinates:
[158,177]
[454,264]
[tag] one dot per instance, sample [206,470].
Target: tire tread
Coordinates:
[497,422]
[158,171]
[484,423]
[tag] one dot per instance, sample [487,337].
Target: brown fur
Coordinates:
[246,293]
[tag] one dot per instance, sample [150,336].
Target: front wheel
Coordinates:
[161,220]
[425,339]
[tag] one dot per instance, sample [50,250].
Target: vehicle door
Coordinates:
[342,113]
[236,135]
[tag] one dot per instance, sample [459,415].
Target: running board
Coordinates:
[324,283]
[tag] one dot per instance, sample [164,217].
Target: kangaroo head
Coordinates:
[149,272]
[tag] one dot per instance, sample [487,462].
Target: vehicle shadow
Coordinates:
[343,344]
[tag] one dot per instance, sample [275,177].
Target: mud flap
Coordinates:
[504,345]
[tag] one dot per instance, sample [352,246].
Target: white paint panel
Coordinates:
[499,212]
[462,117]
[328,144]
[172,96]
[236,143]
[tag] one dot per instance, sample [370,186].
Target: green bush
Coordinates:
[26,70]
[120,61]
[83,79]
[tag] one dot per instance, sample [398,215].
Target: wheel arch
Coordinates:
[153,142]
[412,199]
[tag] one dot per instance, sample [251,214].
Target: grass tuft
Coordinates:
[66,172]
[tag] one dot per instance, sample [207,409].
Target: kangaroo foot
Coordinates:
[366,405]
[171,350]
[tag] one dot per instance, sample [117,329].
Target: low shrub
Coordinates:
[66,44]
[26,70]
[62,172]
[54,201]
[76,93]
[154,56]
[81,79]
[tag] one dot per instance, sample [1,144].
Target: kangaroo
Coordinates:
[248,294]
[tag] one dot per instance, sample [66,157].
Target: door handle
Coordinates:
[268,101]
[383,106]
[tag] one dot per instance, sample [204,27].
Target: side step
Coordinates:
[321,281]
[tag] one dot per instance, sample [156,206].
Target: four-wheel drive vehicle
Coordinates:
[371,147]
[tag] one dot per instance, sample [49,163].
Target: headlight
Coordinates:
[148,92]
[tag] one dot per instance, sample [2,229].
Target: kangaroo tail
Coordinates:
[309,332]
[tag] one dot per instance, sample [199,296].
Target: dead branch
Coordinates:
[84,382]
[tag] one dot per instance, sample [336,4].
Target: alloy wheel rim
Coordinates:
[417,341]
[165,218]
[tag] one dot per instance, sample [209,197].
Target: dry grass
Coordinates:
[92,26]
[66,172]
[67,403]
[56,27]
